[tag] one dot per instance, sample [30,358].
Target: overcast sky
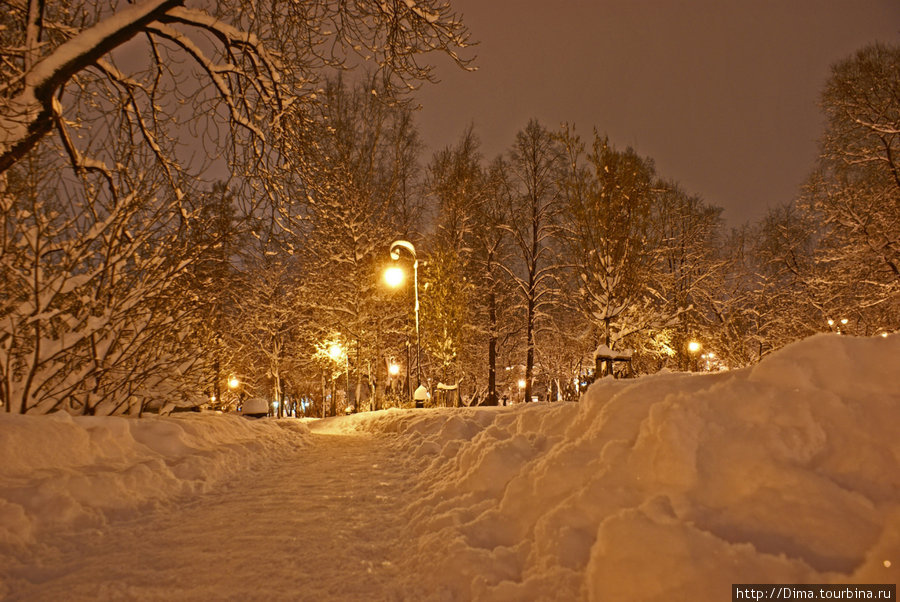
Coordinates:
[722,94]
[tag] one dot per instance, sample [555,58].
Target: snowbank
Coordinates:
[670,487]
[68,472]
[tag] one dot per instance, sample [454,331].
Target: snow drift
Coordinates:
[669,487]
[63,472]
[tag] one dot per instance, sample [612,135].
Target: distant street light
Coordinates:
[393,372]
[395,255]
[233,382]
[693,348]
[336,352]
[836,326]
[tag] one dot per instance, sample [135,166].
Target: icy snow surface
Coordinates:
[670,487]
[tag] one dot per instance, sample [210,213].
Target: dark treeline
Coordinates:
[528,263]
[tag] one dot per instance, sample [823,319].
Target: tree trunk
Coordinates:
[492,351]
[529,357]
[324,393]
[333,396]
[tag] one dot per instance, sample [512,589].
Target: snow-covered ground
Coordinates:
[670,487]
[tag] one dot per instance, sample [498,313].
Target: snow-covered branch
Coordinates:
[27,116]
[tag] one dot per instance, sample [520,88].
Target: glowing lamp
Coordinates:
[394,276]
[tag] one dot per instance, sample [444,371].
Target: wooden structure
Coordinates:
[605,360]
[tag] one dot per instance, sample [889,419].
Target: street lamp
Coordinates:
[393,373]
[693,348]
[395,255]
[336,353]
[394,276]
[837,325]
[233,382]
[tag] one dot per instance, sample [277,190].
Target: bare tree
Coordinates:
[855,192]
[609,203]
[455,183]
[735,319]
[366,168]
[111,87]
[535,161]
[257,63]
[491,251]
[216,287]
[828,261]
[684,237]
[93,318]
[268,322]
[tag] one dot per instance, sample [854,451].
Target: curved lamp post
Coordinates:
[395,255]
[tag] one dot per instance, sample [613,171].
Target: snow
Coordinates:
[668,487]
[606,353]
[60,472]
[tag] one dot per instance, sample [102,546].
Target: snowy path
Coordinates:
[324,524]
[669,487]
